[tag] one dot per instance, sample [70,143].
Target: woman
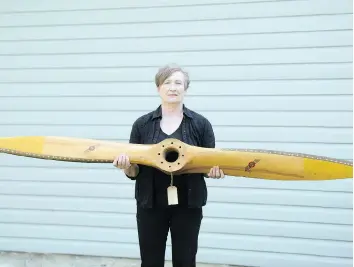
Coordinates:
[155,217]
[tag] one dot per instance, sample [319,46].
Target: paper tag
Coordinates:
[172,195]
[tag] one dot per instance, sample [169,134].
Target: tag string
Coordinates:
[171,179]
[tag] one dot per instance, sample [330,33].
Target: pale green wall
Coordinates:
[268,74]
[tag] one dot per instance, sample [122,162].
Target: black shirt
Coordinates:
[162,180]
[194,130]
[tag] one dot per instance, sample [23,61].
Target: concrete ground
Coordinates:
[12,259]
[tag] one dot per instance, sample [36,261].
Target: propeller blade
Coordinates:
[268,164]
[174,156]
[73,149]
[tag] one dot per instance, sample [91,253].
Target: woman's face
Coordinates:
[172,90]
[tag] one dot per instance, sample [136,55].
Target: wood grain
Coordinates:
[251,163]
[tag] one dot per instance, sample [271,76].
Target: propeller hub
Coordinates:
[171,155]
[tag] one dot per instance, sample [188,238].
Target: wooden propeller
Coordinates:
[174,156]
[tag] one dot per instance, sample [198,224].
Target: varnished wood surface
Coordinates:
[260,164]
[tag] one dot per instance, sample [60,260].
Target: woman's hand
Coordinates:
[216,172]
[122,162]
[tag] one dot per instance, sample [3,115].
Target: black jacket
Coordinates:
[196,130]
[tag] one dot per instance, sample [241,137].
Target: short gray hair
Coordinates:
[166,71]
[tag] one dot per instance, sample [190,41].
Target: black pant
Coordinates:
[153,226]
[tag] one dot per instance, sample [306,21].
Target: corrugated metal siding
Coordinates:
[268,74]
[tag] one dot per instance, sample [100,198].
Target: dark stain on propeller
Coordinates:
[251,165]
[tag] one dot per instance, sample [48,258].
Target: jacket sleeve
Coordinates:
[208,138]
[135,134]
[208,135]
[134,139]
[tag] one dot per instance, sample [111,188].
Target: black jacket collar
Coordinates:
[158,112]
